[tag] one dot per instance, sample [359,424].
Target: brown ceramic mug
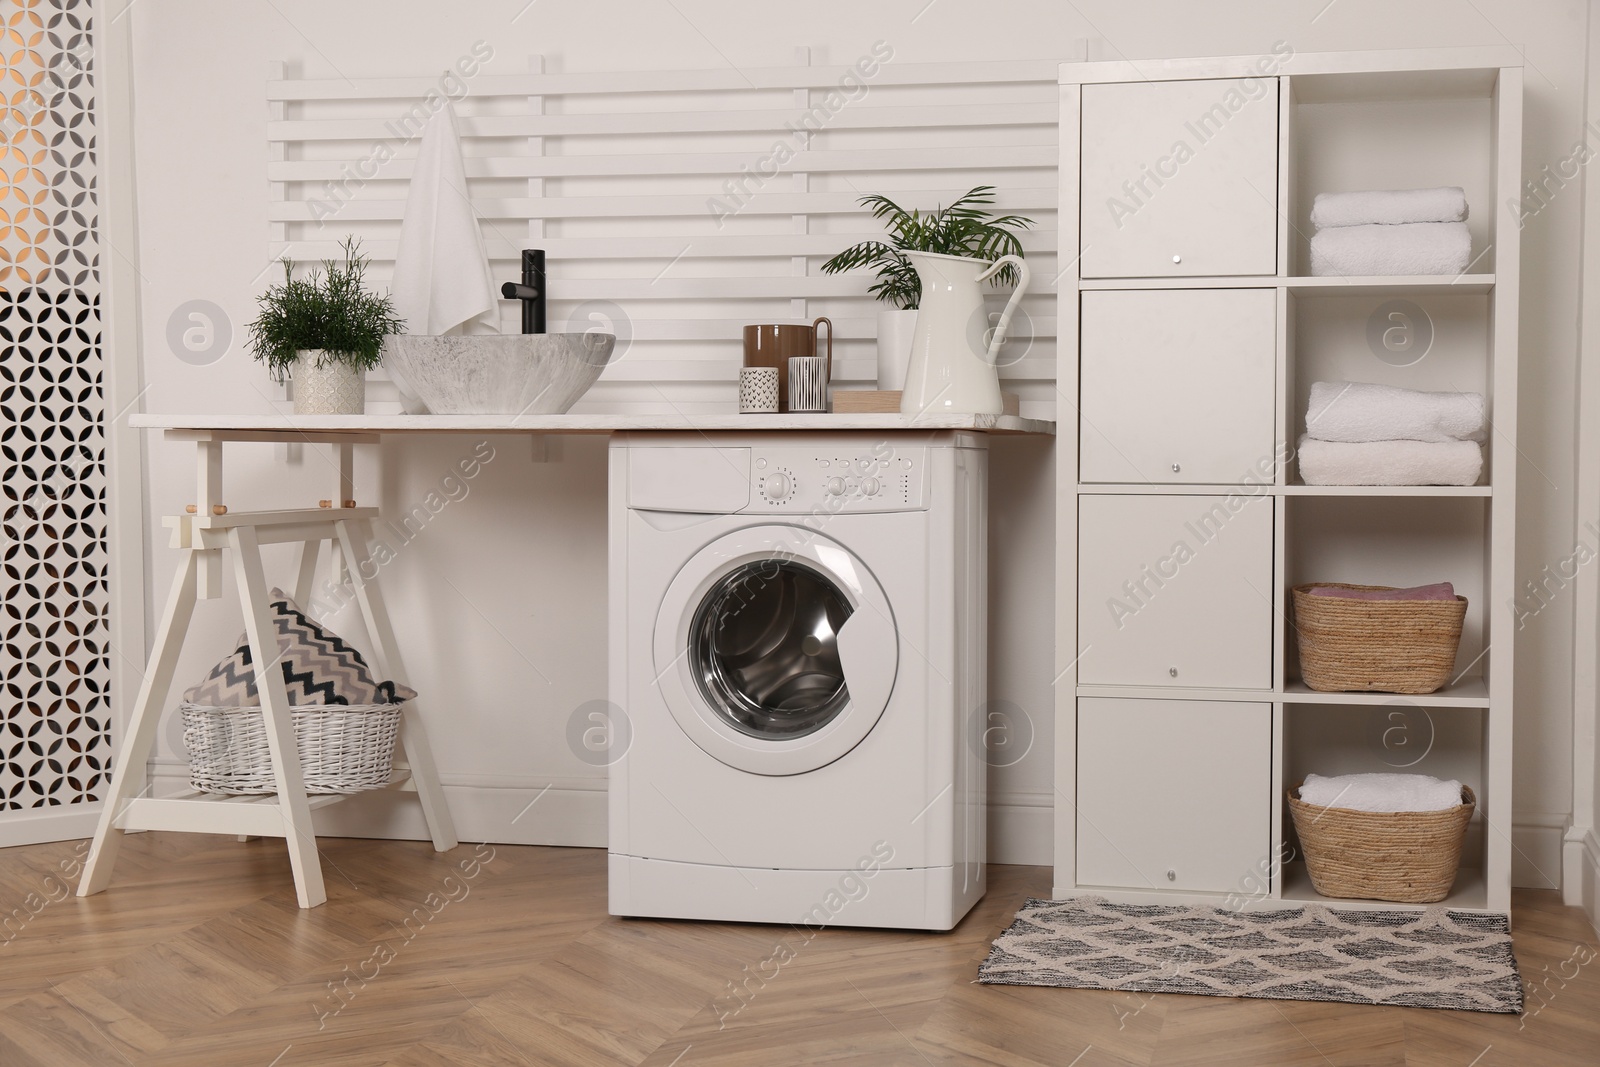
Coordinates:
[771,345]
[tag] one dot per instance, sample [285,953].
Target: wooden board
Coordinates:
[887,401]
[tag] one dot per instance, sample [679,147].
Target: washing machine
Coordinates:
[798,651]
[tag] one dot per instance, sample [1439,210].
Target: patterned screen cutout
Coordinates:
[54,643]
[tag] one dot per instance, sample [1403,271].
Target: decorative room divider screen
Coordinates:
[677,205]
[54,645]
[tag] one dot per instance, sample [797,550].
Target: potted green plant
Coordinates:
[961,229]
[325,331]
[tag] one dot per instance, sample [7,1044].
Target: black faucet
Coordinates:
[531,291]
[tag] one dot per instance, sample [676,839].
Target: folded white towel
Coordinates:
[1390,462]
[1414,248]
[1362,411]
[1389,207]
[1381,792]
[441,272]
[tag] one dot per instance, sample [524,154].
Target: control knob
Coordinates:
[870,486]
[835,487]
[776,486]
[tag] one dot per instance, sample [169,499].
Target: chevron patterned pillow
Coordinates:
[318,668]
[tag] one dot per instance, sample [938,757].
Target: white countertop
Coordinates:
[289,425]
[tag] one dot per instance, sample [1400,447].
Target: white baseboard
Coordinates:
[1536,849]
[518,811]
[1581,873]
[572,812]
[1022,828]
[34,826]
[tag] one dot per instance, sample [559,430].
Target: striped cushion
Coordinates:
[318,668]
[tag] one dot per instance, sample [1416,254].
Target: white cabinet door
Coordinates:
[1175,591]
[1180,179]
[1177,385]
[1173,794]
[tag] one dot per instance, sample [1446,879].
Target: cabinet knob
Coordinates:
[1177,259]
[1172,672]
[1176,467]
[1172,876]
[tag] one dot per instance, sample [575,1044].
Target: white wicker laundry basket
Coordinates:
[344,748]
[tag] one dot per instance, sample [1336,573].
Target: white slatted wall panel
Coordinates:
[615,174]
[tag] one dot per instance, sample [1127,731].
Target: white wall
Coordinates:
[501,597]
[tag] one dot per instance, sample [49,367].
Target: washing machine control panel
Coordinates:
[800,480]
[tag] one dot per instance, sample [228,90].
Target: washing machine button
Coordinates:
[776,486]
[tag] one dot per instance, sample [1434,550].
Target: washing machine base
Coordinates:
[922,898]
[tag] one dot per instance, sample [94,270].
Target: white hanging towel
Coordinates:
[441,272]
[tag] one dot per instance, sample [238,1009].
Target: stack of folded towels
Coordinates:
[1381,792]
[1390,232]
[1358,433]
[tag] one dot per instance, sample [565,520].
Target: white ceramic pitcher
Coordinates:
[953,351]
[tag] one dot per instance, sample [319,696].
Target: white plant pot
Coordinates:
[895,330]
[335,388]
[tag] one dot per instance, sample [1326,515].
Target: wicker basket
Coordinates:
[1408,856]
[1384,646]
[344,748]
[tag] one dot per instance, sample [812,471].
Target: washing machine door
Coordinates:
[776,649]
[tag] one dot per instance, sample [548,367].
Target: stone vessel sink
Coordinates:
[509,374]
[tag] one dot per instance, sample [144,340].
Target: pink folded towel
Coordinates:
[1437,591]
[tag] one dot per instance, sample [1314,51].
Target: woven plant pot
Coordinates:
[1408,856]
[344,748]
[1382,646]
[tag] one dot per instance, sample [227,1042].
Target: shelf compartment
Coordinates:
[1396,285]
[1344,139]
[1399,736]
[1468,894]
[1393,541]
[1469,692]
[1341,336]
[1387,490]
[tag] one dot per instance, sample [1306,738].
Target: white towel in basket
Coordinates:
[1381,792]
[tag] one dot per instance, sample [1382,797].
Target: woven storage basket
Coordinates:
[1407,856]
[344,748]
[1384,646]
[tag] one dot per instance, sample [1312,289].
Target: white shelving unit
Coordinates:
[1190,334]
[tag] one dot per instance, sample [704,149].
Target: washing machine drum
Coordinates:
[764,648]
[776,650]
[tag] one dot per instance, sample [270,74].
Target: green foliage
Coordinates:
[328,309]
[962,229]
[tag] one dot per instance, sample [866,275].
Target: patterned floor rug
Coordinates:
[1423,959]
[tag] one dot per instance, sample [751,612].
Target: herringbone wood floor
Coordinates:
[198,956]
